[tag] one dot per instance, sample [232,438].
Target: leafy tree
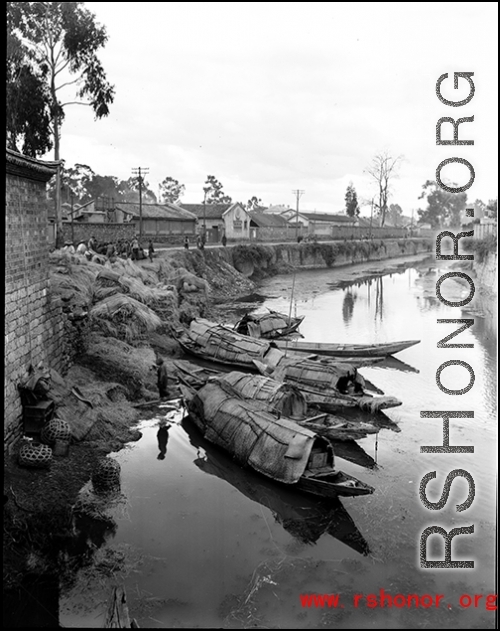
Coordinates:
[253,203]
[351,201]
[74,182]
[492,208]
[383,169]
[131,192]
[214,193]
[171,190]
[443,208]
[63,39]
[394,213]
[27,99]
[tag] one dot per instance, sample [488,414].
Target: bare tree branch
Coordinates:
[383,169]
[75,103]
[68,83]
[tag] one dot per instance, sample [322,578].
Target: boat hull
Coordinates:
[346,350]
[334,485]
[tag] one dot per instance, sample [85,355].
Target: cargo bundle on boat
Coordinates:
[276,447]
[275,397]
[327,385]
[305,518]
[267,325]
[220,344]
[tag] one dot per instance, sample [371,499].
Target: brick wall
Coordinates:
[35,326]
[111,232]
[103,232]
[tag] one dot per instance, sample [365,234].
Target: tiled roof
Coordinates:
[157,211]
[212,211]
[267,220]
[31,168]
[328,217]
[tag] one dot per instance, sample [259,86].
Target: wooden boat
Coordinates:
[222,345]
[338,429]
[306,518]
[326,383]
[346,350]
[328,386]
[277,398]
[268,326]
[278,448]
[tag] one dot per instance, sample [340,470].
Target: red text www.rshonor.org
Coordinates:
[383,599]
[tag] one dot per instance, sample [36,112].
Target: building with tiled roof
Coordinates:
[231,220]
[157,219]
[262,219]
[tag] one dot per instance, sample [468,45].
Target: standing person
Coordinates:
[110,251]
[151,250]
[186,242]
[224,240]
[161,370]
[135,249]
[92,243]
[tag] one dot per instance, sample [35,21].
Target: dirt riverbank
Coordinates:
[114,367]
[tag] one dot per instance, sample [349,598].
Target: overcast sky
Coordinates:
[271,97]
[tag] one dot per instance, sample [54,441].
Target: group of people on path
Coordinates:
[122,248]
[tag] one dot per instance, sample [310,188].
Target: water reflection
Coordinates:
[304,518]
[348,305]
[353,452]
[162,437]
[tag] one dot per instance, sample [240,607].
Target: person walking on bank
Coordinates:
[186,242]
[161,370]
[224,240]
[151,250]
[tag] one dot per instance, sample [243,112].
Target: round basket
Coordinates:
[35,455]
[56,429]
[106,476]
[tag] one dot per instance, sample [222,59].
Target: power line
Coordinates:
[139,172]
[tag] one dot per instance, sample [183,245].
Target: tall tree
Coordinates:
[64,38]
[131,192]
[443,208]
[171,190]
[492,208]
[27,99]
[351,201]
[394,214]
[253,203]
[214,191]
[383,169]
[74,183]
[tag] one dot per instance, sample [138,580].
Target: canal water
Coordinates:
[199,542]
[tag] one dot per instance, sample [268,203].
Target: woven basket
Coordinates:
[56,429]
[106,476]
[35,455]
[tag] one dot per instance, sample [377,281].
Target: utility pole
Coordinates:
[206,189]
[72,226]
[371,217]
[139,172]
[298,194]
